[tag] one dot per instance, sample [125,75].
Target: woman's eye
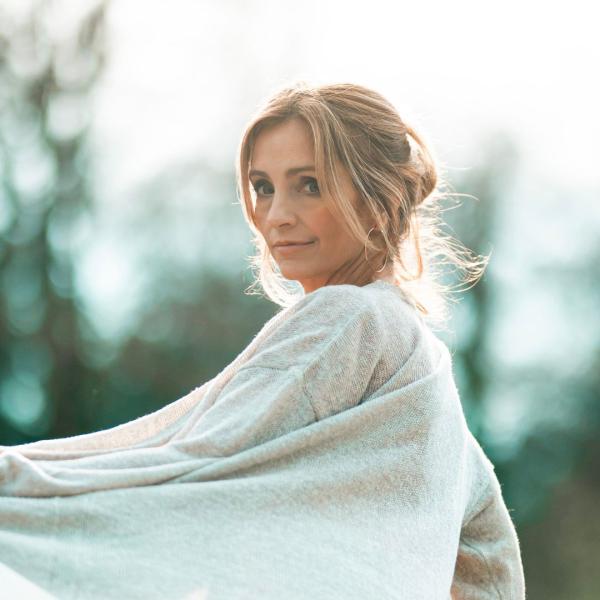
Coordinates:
[311,181]
[258,185]
[307,182]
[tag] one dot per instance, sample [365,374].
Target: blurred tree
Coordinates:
[192,316]
[47,70]
[549,467]
[561,539]
[475,225]
[60,374]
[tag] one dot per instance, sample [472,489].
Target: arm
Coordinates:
[488,561]
[328,335]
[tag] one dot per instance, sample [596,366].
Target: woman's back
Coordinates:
[330,459]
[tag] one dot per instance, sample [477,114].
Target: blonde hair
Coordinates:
[397,179]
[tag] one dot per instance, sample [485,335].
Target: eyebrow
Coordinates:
[288,173]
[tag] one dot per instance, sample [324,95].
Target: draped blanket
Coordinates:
[330,459]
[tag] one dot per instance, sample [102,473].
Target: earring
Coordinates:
[367,259]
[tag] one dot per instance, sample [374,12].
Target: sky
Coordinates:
[183,77]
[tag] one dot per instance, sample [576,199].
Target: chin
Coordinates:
[294,274]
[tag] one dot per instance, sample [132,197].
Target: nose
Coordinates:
[281,211]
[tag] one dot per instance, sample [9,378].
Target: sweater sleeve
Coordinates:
[316,363]
[488,561]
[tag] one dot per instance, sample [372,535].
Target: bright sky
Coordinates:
[183,77]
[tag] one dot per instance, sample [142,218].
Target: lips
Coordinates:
[288,249]
[293,244]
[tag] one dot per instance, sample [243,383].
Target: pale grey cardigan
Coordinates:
[330,459]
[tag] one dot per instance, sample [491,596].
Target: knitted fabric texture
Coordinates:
[330,459]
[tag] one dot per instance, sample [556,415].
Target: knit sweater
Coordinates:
[330,459]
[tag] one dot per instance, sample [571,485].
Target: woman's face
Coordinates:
[289,207]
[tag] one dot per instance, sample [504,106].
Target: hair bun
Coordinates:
[416,158]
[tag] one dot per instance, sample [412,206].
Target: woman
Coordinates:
[331,458]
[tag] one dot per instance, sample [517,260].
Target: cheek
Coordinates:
[324,225]
[343,245]
[334,232]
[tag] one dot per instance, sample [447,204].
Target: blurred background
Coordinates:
[124,254]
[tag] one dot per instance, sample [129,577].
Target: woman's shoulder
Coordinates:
[380,310]
[379,297]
